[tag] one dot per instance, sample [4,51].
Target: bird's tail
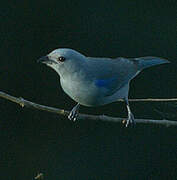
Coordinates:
[145,62]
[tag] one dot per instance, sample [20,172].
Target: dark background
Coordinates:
[33,141]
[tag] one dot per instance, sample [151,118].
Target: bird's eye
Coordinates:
[61,58]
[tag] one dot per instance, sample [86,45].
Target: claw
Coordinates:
[74,113]
[73,116]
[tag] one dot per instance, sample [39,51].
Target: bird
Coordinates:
[96,81]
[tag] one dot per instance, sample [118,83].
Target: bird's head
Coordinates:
[63,60]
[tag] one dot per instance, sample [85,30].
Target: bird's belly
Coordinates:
[87,94]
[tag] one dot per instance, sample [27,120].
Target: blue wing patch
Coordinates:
[105,82]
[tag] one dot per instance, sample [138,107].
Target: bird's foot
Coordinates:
[130,121]
[74,113]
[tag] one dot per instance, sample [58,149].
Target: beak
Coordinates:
[44,59]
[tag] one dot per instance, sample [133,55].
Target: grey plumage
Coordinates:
[96,81]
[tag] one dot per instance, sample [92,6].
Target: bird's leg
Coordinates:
[130,120]
[74,113]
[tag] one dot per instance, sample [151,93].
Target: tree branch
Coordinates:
[22,102]
[152,100]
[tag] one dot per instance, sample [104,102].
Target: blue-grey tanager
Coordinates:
[93,81]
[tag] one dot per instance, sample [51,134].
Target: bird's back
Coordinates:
[121,69]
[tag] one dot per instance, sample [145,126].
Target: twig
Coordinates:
[22,102]
[153,100]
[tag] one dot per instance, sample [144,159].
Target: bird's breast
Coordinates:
[82,90]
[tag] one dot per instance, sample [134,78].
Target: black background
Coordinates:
[33,141]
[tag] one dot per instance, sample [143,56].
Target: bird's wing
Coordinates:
[111,74]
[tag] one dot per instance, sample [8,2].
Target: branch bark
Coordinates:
[22,102]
